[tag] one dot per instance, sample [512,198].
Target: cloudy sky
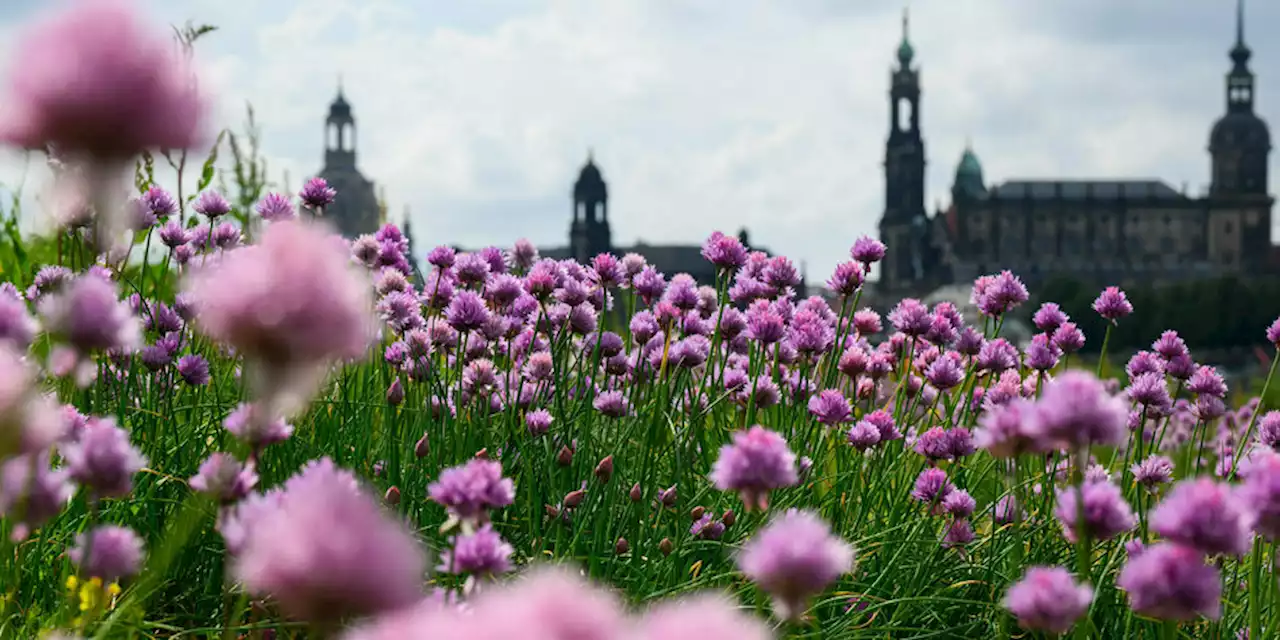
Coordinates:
[711,114]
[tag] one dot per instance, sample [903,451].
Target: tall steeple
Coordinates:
[589,233]
[903,224]
[1240,141]
[357,208]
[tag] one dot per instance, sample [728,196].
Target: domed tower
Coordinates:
[355,210]
[904,224]
[968,185]
[589,232]
[1240,141]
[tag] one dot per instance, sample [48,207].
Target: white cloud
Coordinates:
[706,115]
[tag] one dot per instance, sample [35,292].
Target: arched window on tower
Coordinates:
[904,114]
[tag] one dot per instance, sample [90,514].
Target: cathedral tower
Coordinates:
[904,224]
[589,231]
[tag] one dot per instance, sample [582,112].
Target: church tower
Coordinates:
[904,224]
[589,232]
[355,210]
[1240,142]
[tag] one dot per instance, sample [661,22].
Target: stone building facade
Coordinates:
[355,210]
[1114,230]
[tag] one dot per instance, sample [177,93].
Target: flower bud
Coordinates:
[422,448]
[552,511]
[697,513]
[604,470]
[635,494]
[482,454]
[729,518]
[565,457]
[574,498]
[392,497]
[668,496]
[666,547]
[395,393]
[621,547]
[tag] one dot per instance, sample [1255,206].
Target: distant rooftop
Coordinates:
[1085,189]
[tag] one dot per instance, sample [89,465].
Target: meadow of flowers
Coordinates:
[213,429]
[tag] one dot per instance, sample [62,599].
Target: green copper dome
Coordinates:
[969,175]
[905,52]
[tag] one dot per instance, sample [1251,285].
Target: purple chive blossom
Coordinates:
[830,407]
[934,444]
[468,491]
[1112,304]
[944,373]
[158,204]
[1269,429]
[1261,491]
[90,317]
[757,462]
[1150,392]
[910,317]
[327,551]
[881,420]
[997,356]
[867,251]
[959,504]
[1153,472]
[483,553]
[1001,294]
[1144,362]
[1075,410]
[1106,514]
[1049,317]
[1273,333]
[467,311]
[94,80]
[847,278]
[194,370]
[1041,354]
[224,478]
[108,552]
[102,459]
[1169,581]
[316,194]
[725,252]
[932,486]
[794,558]
[31,492]
[275,206]
[707,528]
[863,435]
[1207,381]
[962,443]
[1048,599]
[1205,515]
[611,403]
[212,205]
[538,422]
[764,323]
[705,617]
[1002,430]
[1169,345]
[1068,338]
[958,534]
[251,427]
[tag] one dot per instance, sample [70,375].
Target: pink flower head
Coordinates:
[1048,599]
[291,303]
[1261,490]
[1207,516]
[102,459]
[482,553]
[1106,514]
[794,558]
[29,420]
[90,317]
[830,407]
[469,490]
[548,603]
[1112,304]
[1170,581]
[701,617]
[95,80]
[224,478]
[31,492]
[327,551]
[757,462]
[1075,409]
[108,552]
[867,250]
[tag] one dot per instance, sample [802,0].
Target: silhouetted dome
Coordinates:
[969,175]
[1241,130]
[340,110]
[590,184]
[905,53]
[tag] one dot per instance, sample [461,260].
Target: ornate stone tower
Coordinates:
[1239,229]
[355,210]
[904,225]
[1240,141]
[589,231]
